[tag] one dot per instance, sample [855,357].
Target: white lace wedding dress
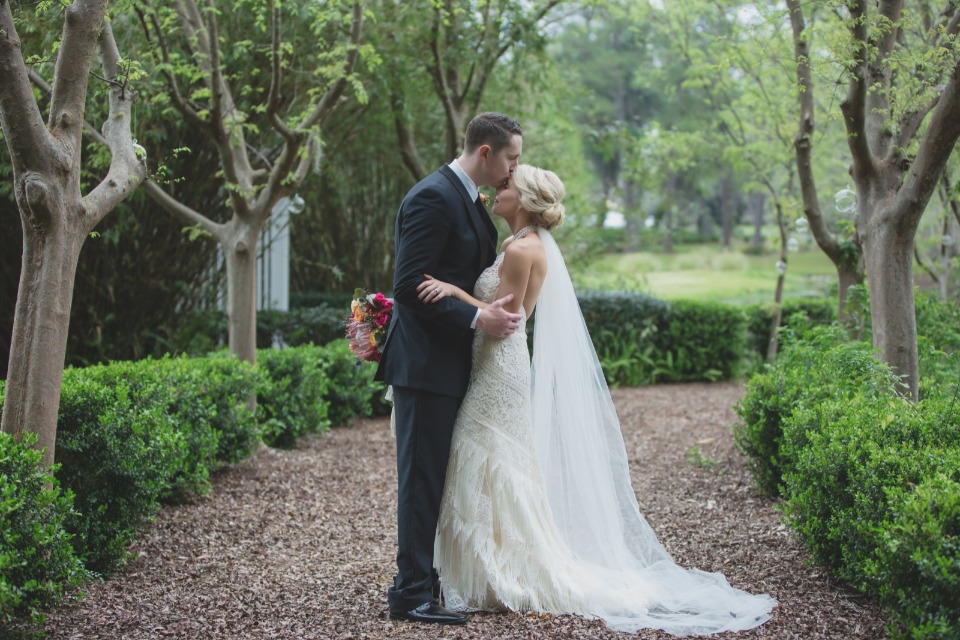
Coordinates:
[502,544]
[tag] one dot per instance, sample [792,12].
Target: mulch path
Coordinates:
[300,544]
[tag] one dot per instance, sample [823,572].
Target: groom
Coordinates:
[442,229]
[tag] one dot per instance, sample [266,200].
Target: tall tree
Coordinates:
[846,255]
[902,115]
[459,45]
[55,215]
[250,103]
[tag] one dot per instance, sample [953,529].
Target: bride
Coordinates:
[538,512]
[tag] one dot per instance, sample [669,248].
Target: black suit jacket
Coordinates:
[440,231]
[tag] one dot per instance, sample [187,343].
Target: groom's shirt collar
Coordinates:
[471,187]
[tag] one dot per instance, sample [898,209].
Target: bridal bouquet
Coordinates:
[367,324]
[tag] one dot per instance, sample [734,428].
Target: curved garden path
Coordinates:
[300,544]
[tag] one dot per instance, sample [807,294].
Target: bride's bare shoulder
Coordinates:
[527,250]
[529,245]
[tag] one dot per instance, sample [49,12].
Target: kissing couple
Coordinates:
[513,486]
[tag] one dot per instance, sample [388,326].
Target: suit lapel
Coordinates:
[481,223]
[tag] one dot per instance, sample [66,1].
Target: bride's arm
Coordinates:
[433,290]
[518,262]
[514,278]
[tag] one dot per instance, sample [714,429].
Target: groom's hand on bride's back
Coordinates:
[497,321]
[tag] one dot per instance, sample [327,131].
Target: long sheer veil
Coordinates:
[584,462]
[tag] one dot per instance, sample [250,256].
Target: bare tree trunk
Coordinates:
[252,192]
[40,328]
[56,216]
[631,214]
[773,345]
[726,210]
[846,262]
[889,260]
[668,230]
[943,290]
[757,204]
[240,258]
[456,130]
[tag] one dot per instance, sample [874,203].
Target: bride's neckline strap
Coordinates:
[524,231]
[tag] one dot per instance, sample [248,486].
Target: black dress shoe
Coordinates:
[430,612]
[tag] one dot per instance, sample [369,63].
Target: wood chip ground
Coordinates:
[300,544]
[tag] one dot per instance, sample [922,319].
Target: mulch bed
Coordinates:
[300,544]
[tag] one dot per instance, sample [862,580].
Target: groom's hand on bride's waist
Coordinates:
[497,321]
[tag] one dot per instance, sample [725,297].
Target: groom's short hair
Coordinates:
[494,129]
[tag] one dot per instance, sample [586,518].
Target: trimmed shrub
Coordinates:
[938,334]
[291,400]
[622,327]
[809,371]
[117,458]
[849,456]
[642,340]
[617,311]
[229,383]
[336,299]
[917,568]
[701,341]
[37,563]
[351,389]
[760,319]
[301,326]
[176,387]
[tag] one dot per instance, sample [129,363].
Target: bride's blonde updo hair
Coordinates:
[541,193]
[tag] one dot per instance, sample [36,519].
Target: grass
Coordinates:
[706,272]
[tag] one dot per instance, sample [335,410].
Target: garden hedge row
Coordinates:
[639,339]
[134,435]
[869,479]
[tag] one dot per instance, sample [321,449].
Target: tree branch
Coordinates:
[276,77]
[331,96]
[854,105]
[436,71]
[408,149]
[20,118]
[225,126]
[923,265]
[81,27]
[803,143]
[947,20]
[932,156]
[126,170]
[179,102]
[182,212]
[908,127]
[877,108]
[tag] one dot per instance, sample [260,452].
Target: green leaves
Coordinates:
[37,563]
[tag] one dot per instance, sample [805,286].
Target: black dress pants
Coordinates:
[424,424]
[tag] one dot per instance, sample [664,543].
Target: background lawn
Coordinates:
[705,272]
